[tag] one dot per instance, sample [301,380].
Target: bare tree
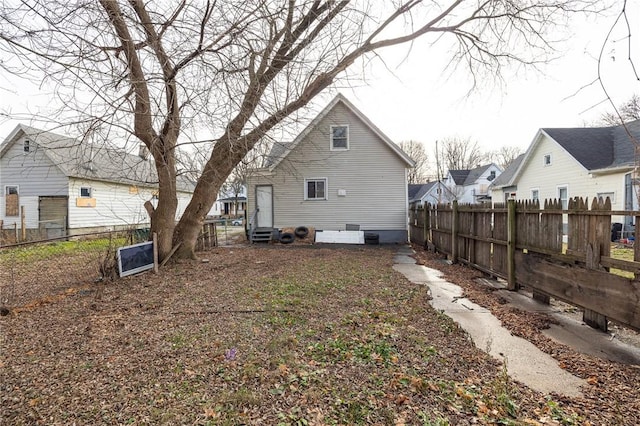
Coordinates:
[157,71]
[456,153]
[628,111]
[503,156]
[420,172]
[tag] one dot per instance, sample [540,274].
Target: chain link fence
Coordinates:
[39,272]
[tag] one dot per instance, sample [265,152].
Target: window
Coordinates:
[315,189]
[547,160]
[85,192]
[535,194]
[492,175]
[26,146]
[339,138]
[11,190]
[563,195]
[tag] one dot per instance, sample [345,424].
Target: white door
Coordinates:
[264,201]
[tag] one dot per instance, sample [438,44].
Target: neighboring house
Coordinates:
[232,206]
[64,186]
[472,186]
[429,193]
[340,170]
[504,187]
[585,162]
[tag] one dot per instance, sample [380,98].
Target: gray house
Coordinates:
[340,170]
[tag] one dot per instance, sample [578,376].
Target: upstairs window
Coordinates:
[546,160]
[26,146]
[315,189]
[339,138]
[492,175]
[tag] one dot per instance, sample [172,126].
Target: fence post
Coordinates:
[23,224]
[425,225]
[454,231]
[511,245]
[598,245]
[155,252]
[636,244]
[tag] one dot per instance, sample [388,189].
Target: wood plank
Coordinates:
[613,296]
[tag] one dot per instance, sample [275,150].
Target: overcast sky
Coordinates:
[416,101]
[420,104]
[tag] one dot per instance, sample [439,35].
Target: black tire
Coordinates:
[287,238]
[301,231]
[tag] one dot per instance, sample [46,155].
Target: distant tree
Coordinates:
[503,156]
[628,111]
[414,149]
[457,153]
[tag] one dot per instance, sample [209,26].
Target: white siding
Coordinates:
[30,205]
[564,170]
[371,175]
[116,204]
[32,171]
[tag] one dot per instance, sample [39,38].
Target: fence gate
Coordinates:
[52,216]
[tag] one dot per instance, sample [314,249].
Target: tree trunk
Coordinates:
[220,164]
[163,218]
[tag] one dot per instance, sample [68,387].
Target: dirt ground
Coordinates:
[281,334]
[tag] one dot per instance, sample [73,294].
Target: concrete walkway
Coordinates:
[525,362]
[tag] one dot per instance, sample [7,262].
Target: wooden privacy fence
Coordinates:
[565,254]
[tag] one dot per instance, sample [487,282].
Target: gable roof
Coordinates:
[90,161]
[506,177]
[459,176]
[424,189]
[413,189]
[592,147]
[597,149]
[279,151]
[421,190]
[469,177]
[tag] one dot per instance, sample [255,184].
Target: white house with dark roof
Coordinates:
[472,186]
[63,185]
[587,162]
[340,170]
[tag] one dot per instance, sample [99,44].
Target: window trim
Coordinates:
[316,179]
[544,160]
[26,146]
[331,145]
[6,189]
[90,190]
[558,188]
[537,191]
